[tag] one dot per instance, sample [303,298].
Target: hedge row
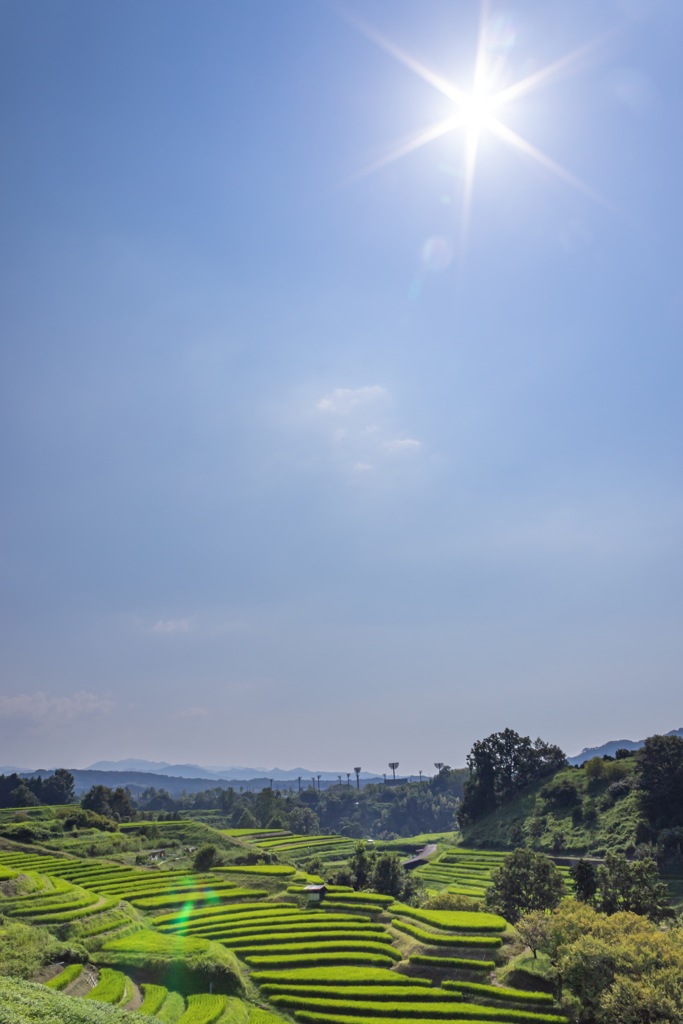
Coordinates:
[197,896]
[387,993]
[434,939]
[339,976]
[498,992]
[452,963]
[453,920]
[462,1012]
[286,960]
[318,948]
[445,1010]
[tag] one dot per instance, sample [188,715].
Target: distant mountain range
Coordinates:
[612,747]
[225,774]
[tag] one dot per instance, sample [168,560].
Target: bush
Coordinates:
[206,857]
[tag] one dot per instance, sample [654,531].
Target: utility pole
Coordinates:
[318,783]
[393,765]
[298,779]
[271,785]
[357,771]
[348,780]
[339,777]
[420,774]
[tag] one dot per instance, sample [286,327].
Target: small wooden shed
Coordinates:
[315,893]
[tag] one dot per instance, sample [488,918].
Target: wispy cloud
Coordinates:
[362,429]
[168,626]
[192,712]
[400,445]
[42,705]
[343,401]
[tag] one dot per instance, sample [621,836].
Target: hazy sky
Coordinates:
[315,457]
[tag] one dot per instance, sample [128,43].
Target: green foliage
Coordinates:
[197,896]
[172,1010]
[442,939]
[525,881]
[500,766]
[206,857]
[187,965]
[289,960]
[453,920]
[110,987]
[452,963]
[203,1009]
[153,999]
[65,977]
[660,778]
[335,976]
[23,950]
[455,1011]
[513,995]
[25,1003]
[390,993]
[602,959]
[623,885]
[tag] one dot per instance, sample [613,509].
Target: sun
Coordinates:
[476,112]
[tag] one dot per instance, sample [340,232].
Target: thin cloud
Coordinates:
[343,401]
[39,706]
[192,712]
[402,444]
[170,626]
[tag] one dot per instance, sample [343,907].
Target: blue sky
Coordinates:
[312,463]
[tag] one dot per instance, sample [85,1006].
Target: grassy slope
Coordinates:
[614,826]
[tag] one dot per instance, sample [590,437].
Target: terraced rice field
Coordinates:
[332,964]
[294,848]
[466,872]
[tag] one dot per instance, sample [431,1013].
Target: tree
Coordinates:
[585,880]
[501,765]
[526,881]
[660,779]
[632,886]
[361,865]
[206,857]
[534,929]
[388,875]
[97,800]
[59,788]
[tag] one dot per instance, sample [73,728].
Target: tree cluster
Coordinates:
[618,969]
[31,791]
[620,885]
[500,766]
[367,869]
[378,810]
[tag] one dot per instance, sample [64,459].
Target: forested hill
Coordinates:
[622,803]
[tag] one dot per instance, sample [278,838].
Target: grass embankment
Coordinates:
[603,816]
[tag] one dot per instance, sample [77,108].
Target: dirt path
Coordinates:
[135,1000]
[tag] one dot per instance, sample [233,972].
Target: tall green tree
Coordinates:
[501,765]
[525,881]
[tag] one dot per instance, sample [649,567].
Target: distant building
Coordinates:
[315,893]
